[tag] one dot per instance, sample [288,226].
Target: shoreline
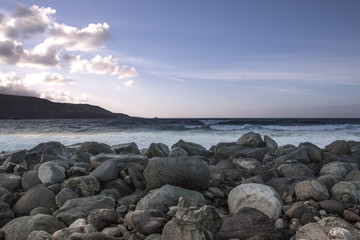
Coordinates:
[123,192]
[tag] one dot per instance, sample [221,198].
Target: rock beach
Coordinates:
[249,189]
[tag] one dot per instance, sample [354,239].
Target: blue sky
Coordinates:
[234,58]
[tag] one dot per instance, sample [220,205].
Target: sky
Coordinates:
[188,58]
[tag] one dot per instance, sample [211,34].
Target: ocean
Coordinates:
[25,134]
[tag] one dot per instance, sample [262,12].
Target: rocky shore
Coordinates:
[249,189]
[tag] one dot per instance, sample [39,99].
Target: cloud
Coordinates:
[101,65]
[63,96]
[11,84]
[47,78]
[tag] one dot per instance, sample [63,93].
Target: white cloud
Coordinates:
[63,96]
[47,78]
[11,84]
[129,83]
[102,66]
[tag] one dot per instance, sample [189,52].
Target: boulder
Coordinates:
[298,210]
[332,206]
[95,148]
[270,143]
[339,147]
[76,208]
[29,180]
[100,218]
[48,148]
[237,151]
[338,168]
[251,139]
[285,186]
[167,196]
[181,230]
[126,148]
[247,163]
[21,227]
[293,154]
[137,178]
[311,189]
[261,197]
[338,233]
[191,173]
[329,180]
[314,151]
[178,152]
[157,150]
[16,157]
[50,173]
[64,195]
[6,214]
[192,149]
[347,193]
[36,197]
[354,175]
[351,216]
[106,172]
[295,169]
[123,161]
[120,186]
[247,223]
[146,221]
[84,186]
[10,181]
[330,222]
[40,235]
[311,231]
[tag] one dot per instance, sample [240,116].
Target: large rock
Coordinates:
[95,148]
[237,151]
[106,172]
[76,208]
[338,168]
[29,180]
[311,231]
[314,151]
[306,190]
[100,217]
[123,161]
[36,197]
[293,154]
[6,214]
[16,157]
[64,195]
[251,139]
[126,148]
[21,227]
[331,222]
[84,186]
[146,221]
[347,193]
[295,169]
[192,149]
[49,148]
[247,223]
[261,197]
[332,206]
[40,235]
[157,150]
[270,143]
[120,186]
[181,230]
[339,147]
[10,181]
[191,173]
[168,196]
[50,173]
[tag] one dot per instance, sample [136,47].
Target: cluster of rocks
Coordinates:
[249,189]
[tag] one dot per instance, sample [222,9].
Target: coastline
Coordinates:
[120,192]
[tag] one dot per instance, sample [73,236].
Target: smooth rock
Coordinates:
[6,214]
[94,236]
[36,197]
[167,196]
[76,208]
[123,161]
[178,152]
[10,181]
[251,139]
[157,150]
[237,151]
[261,197]
[40,235]
[100,218]
[84,186]
[339,147]
[350,216]
[332,206]
[192,149]
[120,186]
[146,221]
[49,148]
[338,168]
[21,227]
[95,148]
[191,173]
[106,172]
[270,143]
[29,180]
[64,195]
[331,222]
[311,189]
[347,193]
[180,230]
[354,175]
[41,210]
[311,231]
[50,173]
[137,178]
[294,169]
[126,148]
[314,151]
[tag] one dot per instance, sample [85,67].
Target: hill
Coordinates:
[21,107]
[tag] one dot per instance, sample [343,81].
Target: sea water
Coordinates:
[26,134]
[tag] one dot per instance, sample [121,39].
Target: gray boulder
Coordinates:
[64,195]
[339,147]
[10,181]
[337,233]
[313,151]
[237,151]
[311,231]
[84,186]
[251,139]
[40,235]
[157,150]
[167,196]
[270,143]
[311,189]
[331,222]
[338,168]
[294,169]
[50,173]
[120,186]
[146,221]
[21,227]
[191,173]
[102,217]
[49,148]
[126,148]
[16,157]
[123,161]
[332,206]
[181,230]
[76,208]
[106,172]
[137,178]
[6,214]
[29,180]
[36,197]
[178,152]
[294,154]
[95,148]
[347,193]
[192,149]
[261,197]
